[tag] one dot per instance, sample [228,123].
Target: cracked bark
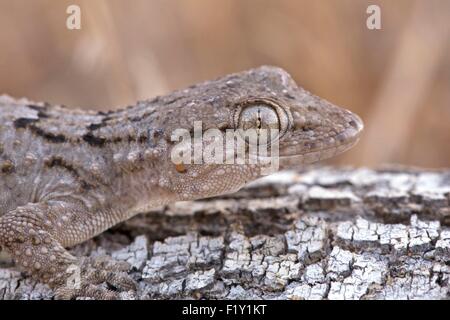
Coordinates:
[322,234]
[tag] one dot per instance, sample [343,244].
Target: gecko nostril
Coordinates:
[356,123]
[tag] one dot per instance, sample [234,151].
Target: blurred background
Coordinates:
[396,78]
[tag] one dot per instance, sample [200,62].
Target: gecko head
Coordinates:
[292,125]
[311,128]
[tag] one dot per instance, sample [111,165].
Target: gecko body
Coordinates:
[67,175]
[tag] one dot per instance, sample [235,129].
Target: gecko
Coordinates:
[67,175]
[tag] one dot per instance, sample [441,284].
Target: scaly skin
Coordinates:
[68,175]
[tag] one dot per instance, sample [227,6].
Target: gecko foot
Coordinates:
[98,278]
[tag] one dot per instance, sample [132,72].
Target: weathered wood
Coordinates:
[322,234]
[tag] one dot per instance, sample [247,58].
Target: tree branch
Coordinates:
[324,234]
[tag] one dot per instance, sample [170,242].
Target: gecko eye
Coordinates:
[263,118]
[259,117]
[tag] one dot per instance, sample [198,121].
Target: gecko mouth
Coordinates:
[342,142]
[314,156]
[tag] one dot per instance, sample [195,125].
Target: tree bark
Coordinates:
[326,233]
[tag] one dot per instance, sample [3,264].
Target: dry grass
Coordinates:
[398,78]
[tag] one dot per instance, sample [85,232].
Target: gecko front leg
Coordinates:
[36,234]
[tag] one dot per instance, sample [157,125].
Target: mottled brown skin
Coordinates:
[68,175]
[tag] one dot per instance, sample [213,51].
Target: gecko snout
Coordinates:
[356,123]
[356,126]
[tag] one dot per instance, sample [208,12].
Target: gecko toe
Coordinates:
[102,278]
[87,292]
